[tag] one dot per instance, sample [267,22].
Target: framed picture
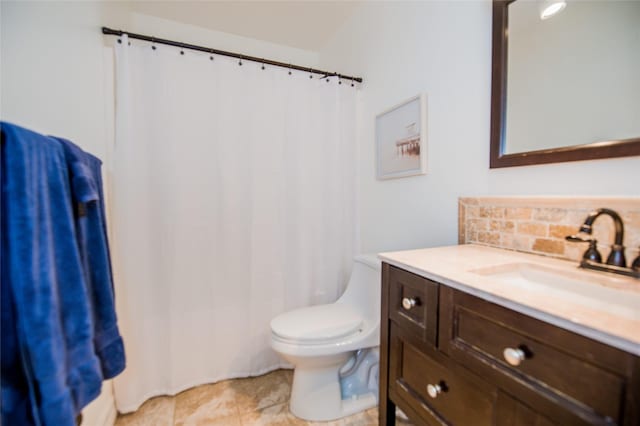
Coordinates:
[401,139]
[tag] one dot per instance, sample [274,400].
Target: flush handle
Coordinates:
[409,302]
[514,356]
[434,390]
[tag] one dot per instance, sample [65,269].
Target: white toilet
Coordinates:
[334,348]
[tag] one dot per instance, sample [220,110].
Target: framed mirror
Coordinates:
[565,87]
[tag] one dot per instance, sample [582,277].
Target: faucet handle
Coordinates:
[578,239]
[636,263]
[592,252]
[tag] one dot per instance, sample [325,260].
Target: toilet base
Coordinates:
[316,396]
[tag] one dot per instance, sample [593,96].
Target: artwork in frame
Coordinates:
[401,139]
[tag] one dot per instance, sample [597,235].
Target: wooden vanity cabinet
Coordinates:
[443,362]
[413,305]
[418,372]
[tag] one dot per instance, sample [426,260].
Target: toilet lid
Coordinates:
[317,323]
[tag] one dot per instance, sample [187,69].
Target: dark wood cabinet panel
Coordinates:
[589,383]
[457,341]
[420,315]
[386,407]
[440,390]
[543,364]
[573,344]
[511,412]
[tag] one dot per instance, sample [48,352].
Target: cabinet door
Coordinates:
[436,389]
[413,304]
[572,378]
[511,412]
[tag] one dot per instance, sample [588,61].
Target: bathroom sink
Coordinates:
[576,287]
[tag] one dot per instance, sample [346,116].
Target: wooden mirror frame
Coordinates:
[591,151]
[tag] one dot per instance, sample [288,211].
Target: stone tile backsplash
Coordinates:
[539,224]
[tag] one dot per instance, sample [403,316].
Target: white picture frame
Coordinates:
[401,139]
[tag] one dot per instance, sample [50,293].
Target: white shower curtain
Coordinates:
[233,201]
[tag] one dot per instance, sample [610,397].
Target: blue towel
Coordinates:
[91,232]
[16,407]
[45,282]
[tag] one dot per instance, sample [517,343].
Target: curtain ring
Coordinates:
[310,73]
[262,64]
[289,69]
[211,55]
[240,61]
[153,47]
[351,81]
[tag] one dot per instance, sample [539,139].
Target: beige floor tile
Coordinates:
[206,404]
[358,419]
[255,401]
[288,374]
[157,411]
[256,393]
[276,415]
[373,415]
[221,421]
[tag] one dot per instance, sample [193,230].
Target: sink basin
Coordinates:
[576,287]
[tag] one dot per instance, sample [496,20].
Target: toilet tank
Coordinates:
[364,287]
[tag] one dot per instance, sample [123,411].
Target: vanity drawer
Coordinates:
[414,304]
[569,369]
[511,412]
[436,389]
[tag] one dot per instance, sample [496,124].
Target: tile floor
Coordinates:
[253,401]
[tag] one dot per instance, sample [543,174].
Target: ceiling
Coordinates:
[303,24]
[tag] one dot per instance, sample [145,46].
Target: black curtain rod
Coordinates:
[109,31]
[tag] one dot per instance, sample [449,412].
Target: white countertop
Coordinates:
[614,319]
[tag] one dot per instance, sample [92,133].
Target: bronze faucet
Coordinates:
[616,259]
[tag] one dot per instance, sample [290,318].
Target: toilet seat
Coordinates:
[317,324]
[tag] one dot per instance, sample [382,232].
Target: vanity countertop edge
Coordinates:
[454,266]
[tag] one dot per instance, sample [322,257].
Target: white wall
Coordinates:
[56,79]
[52,69]
[443,49]
[155,26]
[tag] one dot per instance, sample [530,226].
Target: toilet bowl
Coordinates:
[333,348]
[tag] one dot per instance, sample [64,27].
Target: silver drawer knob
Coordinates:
[514,356]
[434,390]
[408,303]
